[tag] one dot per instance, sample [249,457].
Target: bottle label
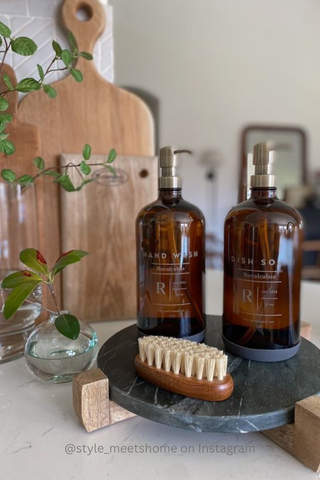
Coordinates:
[167,278]
[256,291]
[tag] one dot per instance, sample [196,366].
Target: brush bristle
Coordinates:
[183,356]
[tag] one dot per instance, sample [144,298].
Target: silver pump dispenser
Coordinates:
[262,160]
[168,162]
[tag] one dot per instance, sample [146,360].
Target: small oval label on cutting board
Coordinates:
[110,178]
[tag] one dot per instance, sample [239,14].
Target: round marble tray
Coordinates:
[264,395]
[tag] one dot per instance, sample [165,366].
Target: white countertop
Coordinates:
[37,422]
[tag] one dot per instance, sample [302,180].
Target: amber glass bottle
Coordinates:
[170,260]
[262,271]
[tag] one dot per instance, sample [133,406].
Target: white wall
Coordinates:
[40,20]
[218,65]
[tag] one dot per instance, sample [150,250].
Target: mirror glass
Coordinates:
[289,145]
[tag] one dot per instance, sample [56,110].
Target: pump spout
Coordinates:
[168,162]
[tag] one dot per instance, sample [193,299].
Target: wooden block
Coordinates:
[117,413]
[301,438]
[91,401]
[306,441]
[306,330]
[282,436]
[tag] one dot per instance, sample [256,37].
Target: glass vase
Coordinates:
[18,230]
[52,357]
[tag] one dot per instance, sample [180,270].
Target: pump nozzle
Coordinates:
[262,160]
[168,162]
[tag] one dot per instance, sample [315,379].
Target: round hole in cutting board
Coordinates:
[84,12]
[144,173]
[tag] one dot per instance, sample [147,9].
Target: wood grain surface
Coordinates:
[100,219]
[215,391]
[94,112]
[91,401]
[25,137]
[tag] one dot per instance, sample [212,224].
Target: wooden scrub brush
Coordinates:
[184,367]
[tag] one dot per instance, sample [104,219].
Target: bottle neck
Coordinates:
[170,194]
[263,192]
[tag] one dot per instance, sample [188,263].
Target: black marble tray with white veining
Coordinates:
[264,394]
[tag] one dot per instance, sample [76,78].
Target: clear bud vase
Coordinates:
[52,357]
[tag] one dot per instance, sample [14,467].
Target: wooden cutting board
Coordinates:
[25,137]
[94,112]
[101,220]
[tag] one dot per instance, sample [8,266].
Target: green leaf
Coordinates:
[50,91]
[4,30]
[5,118]
[34,260]
[24,46]
[88,180]
[68,325]
[41,72]
[66,57]
[19,278]
[86,55]
[85,169]
[8,175]
[7,147]
[72,41]
[7,81]
[112,156]
[77,75]
[65,182]
[86,152]
[0,41]
[25,179]
[66,259]
[56,47]
[39,163]
[3,136]
[52,173]
[18,296]
[4,104]
[28,85]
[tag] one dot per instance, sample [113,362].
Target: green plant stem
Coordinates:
[67,166]
[42,307]
[54,297]
[47,72]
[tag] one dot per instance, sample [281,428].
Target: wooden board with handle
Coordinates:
[94,112]
[100,219]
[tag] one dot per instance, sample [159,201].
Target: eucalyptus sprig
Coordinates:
[63,59]
[83,168]
[24,282]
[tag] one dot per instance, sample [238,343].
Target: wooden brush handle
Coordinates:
[214,391]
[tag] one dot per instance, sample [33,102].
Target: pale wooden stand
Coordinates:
[301,439]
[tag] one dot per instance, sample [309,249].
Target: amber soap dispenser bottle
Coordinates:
[170,234]
[262,271]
